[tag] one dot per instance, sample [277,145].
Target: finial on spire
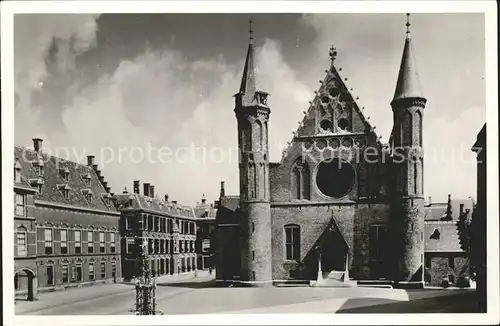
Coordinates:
[250,31]
[333,53]
[408,25]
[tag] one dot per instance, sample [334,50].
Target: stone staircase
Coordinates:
[335,279]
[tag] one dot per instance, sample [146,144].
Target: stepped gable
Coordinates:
[52,180]
[448,240]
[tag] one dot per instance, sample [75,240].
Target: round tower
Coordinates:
[252,114]
[408,204]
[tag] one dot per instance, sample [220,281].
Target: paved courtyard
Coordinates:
[200,296]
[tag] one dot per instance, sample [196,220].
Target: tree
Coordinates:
[464,236]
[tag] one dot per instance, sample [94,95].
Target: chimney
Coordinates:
[222,190]
[137,184]
[98,172]
[90,160]
[461,209]
[37,144]
[146,189]
[101,177]
[152,191]
[166,198]
[105,184]
[95,166]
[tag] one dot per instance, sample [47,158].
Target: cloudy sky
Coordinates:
[110,85]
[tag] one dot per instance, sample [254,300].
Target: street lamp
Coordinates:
[145,287]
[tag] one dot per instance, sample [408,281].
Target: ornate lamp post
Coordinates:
[145,286]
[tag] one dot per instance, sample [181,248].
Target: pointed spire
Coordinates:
[408,84]
[247,88]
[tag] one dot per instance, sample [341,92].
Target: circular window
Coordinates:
[360,142]
[325,100]
[343,124]
[308,144]
[321,144]
[333,91]
[326,125]
[335,177]
[334,143]
[347,142]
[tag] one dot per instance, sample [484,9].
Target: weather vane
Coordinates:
[333,53]
[408,24]
[250,31]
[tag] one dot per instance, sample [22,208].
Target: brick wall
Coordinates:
[352,220]
[57,219]
[441,265]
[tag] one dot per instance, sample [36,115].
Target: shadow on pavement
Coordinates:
[462,302]
[191,284]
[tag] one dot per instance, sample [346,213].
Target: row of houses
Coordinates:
[71,230]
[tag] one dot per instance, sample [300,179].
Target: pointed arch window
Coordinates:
[362,181]
[416,180]
[301,180]
[246,135]
[407,128]
[266,144]
[418,117]
[259,135]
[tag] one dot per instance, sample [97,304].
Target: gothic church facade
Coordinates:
[340,203]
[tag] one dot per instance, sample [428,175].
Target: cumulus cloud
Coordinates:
[161,119]
[41,42]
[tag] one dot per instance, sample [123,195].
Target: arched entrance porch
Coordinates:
[25,284]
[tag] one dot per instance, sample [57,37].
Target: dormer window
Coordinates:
[86,179]
[65,174]
[106,198]
[17,172]
[38,165]
[64,189]
[38,183]
[87,193]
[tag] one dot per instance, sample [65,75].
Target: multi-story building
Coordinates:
[76,222]
[168,228]
[205,225]
[445,259]
[25,270]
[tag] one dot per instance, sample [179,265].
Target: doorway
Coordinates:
[25,284]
